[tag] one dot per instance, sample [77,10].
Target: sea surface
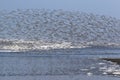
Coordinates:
[84,61]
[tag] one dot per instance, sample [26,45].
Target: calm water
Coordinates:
[97,52]
[57,62]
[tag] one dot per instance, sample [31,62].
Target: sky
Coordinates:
[101,7]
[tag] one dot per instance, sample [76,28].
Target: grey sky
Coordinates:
[106,7]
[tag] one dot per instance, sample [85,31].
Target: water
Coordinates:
[96,52]
[59,62]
